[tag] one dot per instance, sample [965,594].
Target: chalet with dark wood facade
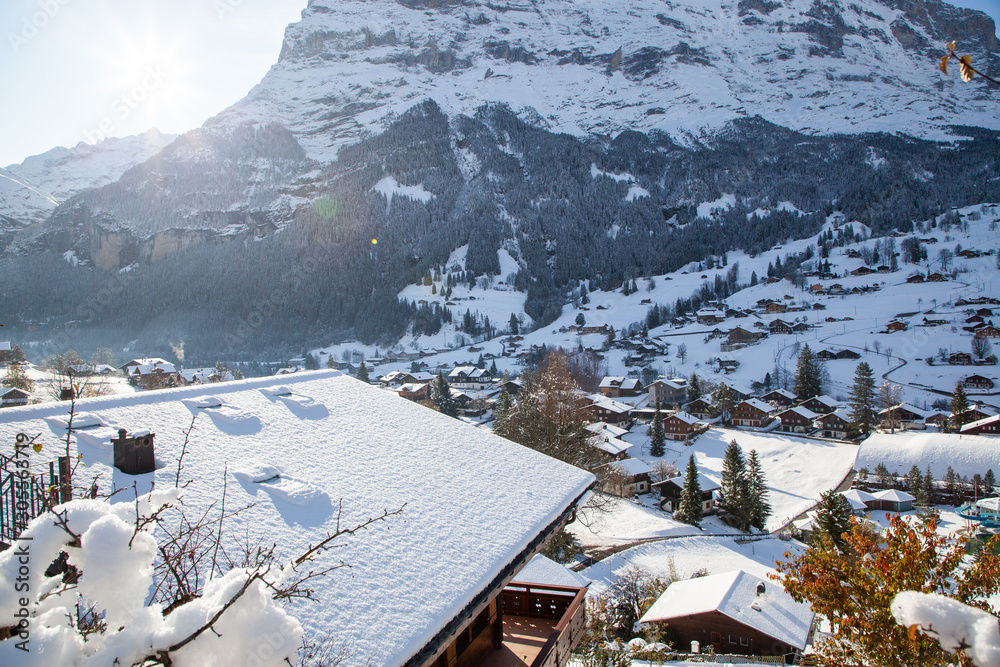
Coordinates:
[781,398]
[837,425]
[797,420]
[680,426]
[12,396]
[821,404]
[985,426]
[616,387]
[751,412]
[779,327]
[977,382]
[734,612]
[960,359]
[700,408]
[629,477]
[671,490]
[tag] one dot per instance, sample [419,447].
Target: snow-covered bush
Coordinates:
[955,626]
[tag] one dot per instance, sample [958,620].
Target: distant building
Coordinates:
[670,491]
[616,387]
[667,392]
[734,612]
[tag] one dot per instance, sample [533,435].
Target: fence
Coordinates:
[26,491]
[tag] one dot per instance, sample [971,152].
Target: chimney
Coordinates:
[761,588]
[134,456]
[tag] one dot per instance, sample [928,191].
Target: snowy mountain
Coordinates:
[30,191]
[584,67]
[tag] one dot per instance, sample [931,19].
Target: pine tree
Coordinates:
[514,325]
[915,484]
[807,375]
[493,369]
[760,509]
[833,517]
[928,486]
[441,396]
[989,483]
[959,406]
[657,441]
[862,400]
[363,372]
[694,388]
[689,505]
[734,487]
[724,400]
[949,480]
[501,413]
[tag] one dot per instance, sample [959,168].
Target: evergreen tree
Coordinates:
[657,441]
[441,396]
[514,325]
[580,320]
[882,475]
[807,375]
[989,483]
[760,509]
[501,414]
[833,517]
[862,400]
[915,484]
[493,368]
[959,406]
[689,505]
[735,488]
[480,362]
[694,388]
[329,361]
[949,480]
[724,400]
[584,299]
[363,372]
[928,486]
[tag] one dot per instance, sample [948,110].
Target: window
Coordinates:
[716,637]
[744,641]
[732,639]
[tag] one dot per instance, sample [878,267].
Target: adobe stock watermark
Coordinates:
[225,7]
[22,546]
[124,105]
[34,23]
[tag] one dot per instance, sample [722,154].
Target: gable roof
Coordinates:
[705,483]
[630,467]
[805,413]
[759,404]
[733,594]
[333,438]
[894,495]
[685,417]
[547,572]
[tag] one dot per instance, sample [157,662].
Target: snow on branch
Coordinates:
[955,626]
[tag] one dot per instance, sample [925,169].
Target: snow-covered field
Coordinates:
[966,454]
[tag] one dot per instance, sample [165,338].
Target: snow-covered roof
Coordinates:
[705,483]
[894,495]
[463,528]
[909,408]
[673,383]
[607,429]
[685,417]
[630,467]
[782,392]
[4,346]
[966,454]
[805,413]
[146,369]
[827,400]
[612,446]
[980,422]
[759,404]
[734,594]
[542,570]
[606,403]
[858,495]
[617,381]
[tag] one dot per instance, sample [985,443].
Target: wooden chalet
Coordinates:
[939,419]
[705,316]
[667,391]
[616,387]
[781,398]
[984,312]
[700,408]
[797,420]
[415,391]
[904,415]
[779,327]
[680,426]
[627,478]
[935,277]
[741,336]
[848,354]
[960,359]
[896,325]
[826,355]
[837,425]
[671,489]
[800,327]
[821,405]
[751,412]
[12,396]
[985,426]
[600,408]
[775,307]
[470,377]
[977,382]
[399,378]
[863,271]
[6,353]
[734,612]
[915,278]
[988,331]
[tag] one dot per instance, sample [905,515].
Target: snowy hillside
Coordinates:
[583,67]
[855,322]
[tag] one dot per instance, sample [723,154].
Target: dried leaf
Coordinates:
[951,45]
[37,447]
[943,65]
[967,70]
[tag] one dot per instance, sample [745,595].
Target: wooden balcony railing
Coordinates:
[563,604]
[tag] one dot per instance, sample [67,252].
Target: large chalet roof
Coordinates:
[705,483]
[734,594]
[758,404]
[475,506]
[685,417]
[610,381]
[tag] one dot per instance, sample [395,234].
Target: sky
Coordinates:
[75,70]
[78,70]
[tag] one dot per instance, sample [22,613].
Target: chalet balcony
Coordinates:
[541,625]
